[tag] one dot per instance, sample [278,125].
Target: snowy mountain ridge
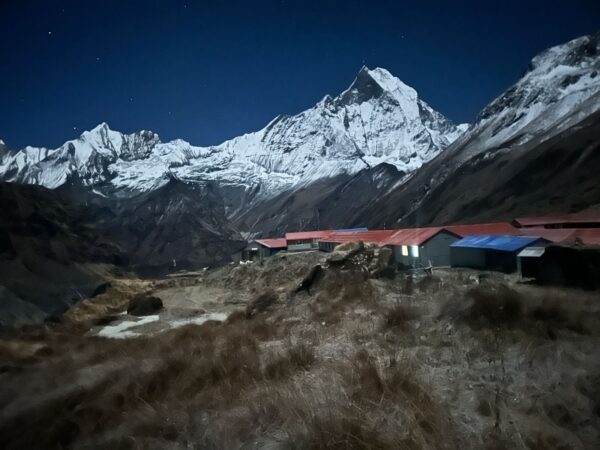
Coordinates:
[560,88]
[378,119]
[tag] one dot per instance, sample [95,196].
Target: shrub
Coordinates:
[399,315]
[501,306]
[298,357]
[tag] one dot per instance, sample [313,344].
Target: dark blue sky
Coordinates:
[207,71]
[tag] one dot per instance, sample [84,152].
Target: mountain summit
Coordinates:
[378,119]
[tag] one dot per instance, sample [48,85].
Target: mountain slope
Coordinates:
[536,178]
[177,226]
[58,246]
[554,99]
[327,203]
[378,119]
[49,259]
[533,149]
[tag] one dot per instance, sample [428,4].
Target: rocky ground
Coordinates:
[310,350]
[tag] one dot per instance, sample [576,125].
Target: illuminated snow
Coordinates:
[331,138]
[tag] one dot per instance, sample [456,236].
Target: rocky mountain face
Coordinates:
[378,119]
[58,246]
[534,149]
[551,110]
[49,259]
[326,203]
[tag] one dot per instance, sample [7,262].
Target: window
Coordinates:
[414,251]
[404,250]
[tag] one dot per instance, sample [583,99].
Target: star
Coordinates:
[97,58]
[49,33]
[75,128]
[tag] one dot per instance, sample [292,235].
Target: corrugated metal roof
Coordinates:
[531,252]
[413,236]
[273,243]
[588,237]
[557,219]
[301,235]
[552,234]
[503,228]
[372,236]
[492,242]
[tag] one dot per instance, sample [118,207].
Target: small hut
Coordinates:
[491,252]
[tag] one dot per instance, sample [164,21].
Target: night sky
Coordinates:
[207,71]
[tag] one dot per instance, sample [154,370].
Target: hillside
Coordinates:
[450,361]
[48,258]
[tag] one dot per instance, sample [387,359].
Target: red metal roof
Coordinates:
[273,243]
[413,236]
[302,235]
[499,228]
[551,234]
[557,219]
[590,236]
[371,236]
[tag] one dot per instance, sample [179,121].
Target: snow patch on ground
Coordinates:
[123,329]
[219,317]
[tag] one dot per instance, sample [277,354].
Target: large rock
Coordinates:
[380,258]
[312,277]
[344,252]
[144,305]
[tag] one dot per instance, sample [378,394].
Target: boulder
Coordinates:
[144,305]
[310,279]
[344,252]
[351,247]
[337,258]
[380,264]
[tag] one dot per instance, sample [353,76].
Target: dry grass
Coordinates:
[399,315]
[532,310]
[186,385]
[477,374]
[501,306]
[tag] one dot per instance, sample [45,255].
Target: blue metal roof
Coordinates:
[351,230]
[493,242]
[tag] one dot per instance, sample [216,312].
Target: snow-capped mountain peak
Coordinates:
[373,83]
[378,119]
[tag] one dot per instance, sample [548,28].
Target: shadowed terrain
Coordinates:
[442,361]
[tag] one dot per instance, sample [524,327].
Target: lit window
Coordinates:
[404,250]
[414,251]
